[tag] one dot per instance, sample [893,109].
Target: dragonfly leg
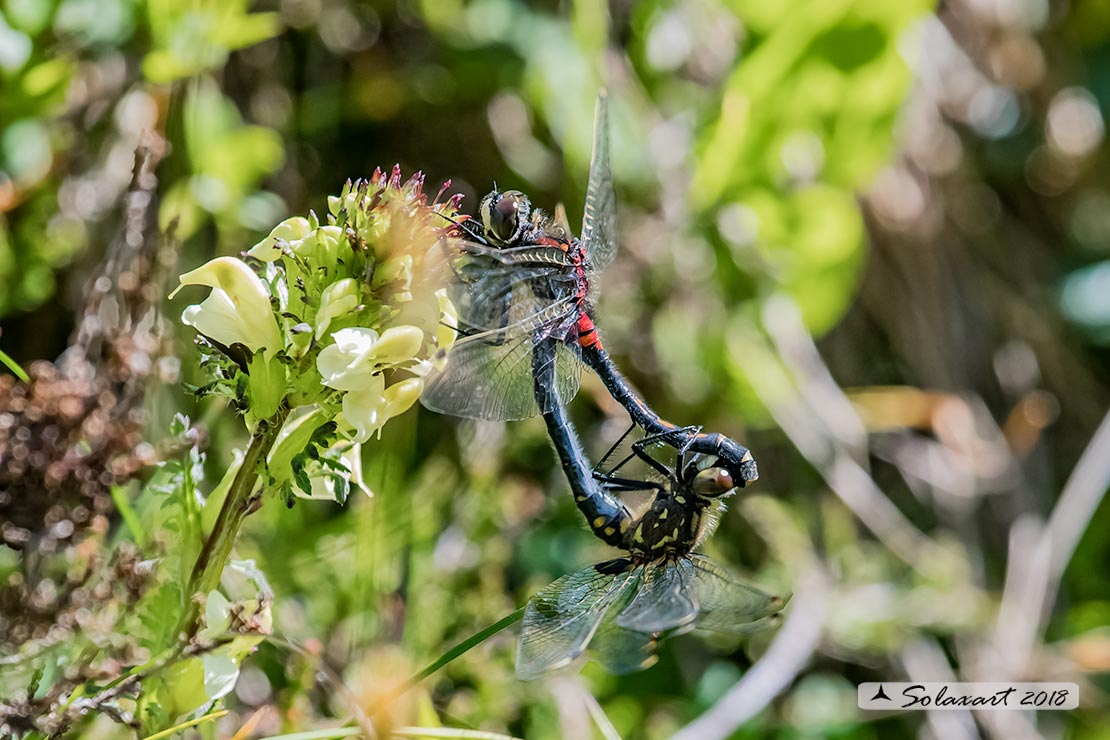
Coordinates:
[670,436]
[612,449]
[466,227]
[685,435]
[628,484]
[638,450]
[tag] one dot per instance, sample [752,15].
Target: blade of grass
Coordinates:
[130,518]
[14,367]
[472,641]
[186,725]
[413,732]
[451,732]
[599,717]
[249,726]
[335,732]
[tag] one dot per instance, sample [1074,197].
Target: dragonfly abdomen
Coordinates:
[587,332]
[607,517]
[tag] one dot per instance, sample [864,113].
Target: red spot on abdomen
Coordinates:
[587,332]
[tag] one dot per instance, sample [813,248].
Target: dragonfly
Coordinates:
[518,278]
[621,608]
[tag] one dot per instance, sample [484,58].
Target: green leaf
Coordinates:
[158,615]
[474,640]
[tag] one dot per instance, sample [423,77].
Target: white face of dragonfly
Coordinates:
[505,216]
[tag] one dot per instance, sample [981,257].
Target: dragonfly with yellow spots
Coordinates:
[620,608]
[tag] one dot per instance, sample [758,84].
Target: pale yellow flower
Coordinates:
[360,354]
[367,410]
[288,233]
[238,308]
[446,333]
[397,270]
[364,409]
[339,298]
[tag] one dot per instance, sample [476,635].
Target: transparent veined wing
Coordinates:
[560,620]
[622,650]
[500,298]
[750,628]
[520,256]
[560,220]
[483,282]
[664,600]
[489,376]
[449,250]
[599,215]
[728,603]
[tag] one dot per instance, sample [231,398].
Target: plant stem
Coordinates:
[237,505]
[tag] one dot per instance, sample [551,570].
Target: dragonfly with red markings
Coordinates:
[618,610]
[519,277]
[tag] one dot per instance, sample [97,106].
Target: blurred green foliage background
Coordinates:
[922,189]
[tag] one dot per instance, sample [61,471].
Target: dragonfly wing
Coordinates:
[560,219]
[493,381]
[483,380]
[599,219]
[560,620]
[448,251]
[759,625]
[622,650]
[568,372]
[503,297]
[728,603]
[665,599]
[488,375]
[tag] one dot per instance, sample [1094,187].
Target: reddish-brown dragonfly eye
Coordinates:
[713,482]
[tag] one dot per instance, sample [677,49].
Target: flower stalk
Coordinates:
[238,504]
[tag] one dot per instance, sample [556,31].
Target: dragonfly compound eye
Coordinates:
[713,482]
[504,217]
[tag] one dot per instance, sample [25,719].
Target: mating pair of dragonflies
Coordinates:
[523,287]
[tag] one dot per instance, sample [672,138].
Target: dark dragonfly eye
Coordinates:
[504,214]
[713,482]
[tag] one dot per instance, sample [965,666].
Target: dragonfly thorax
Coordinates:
[681,516]
[669,527]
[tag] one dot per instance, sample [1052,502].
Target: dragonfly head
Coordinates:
[713,482]
[505,215]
